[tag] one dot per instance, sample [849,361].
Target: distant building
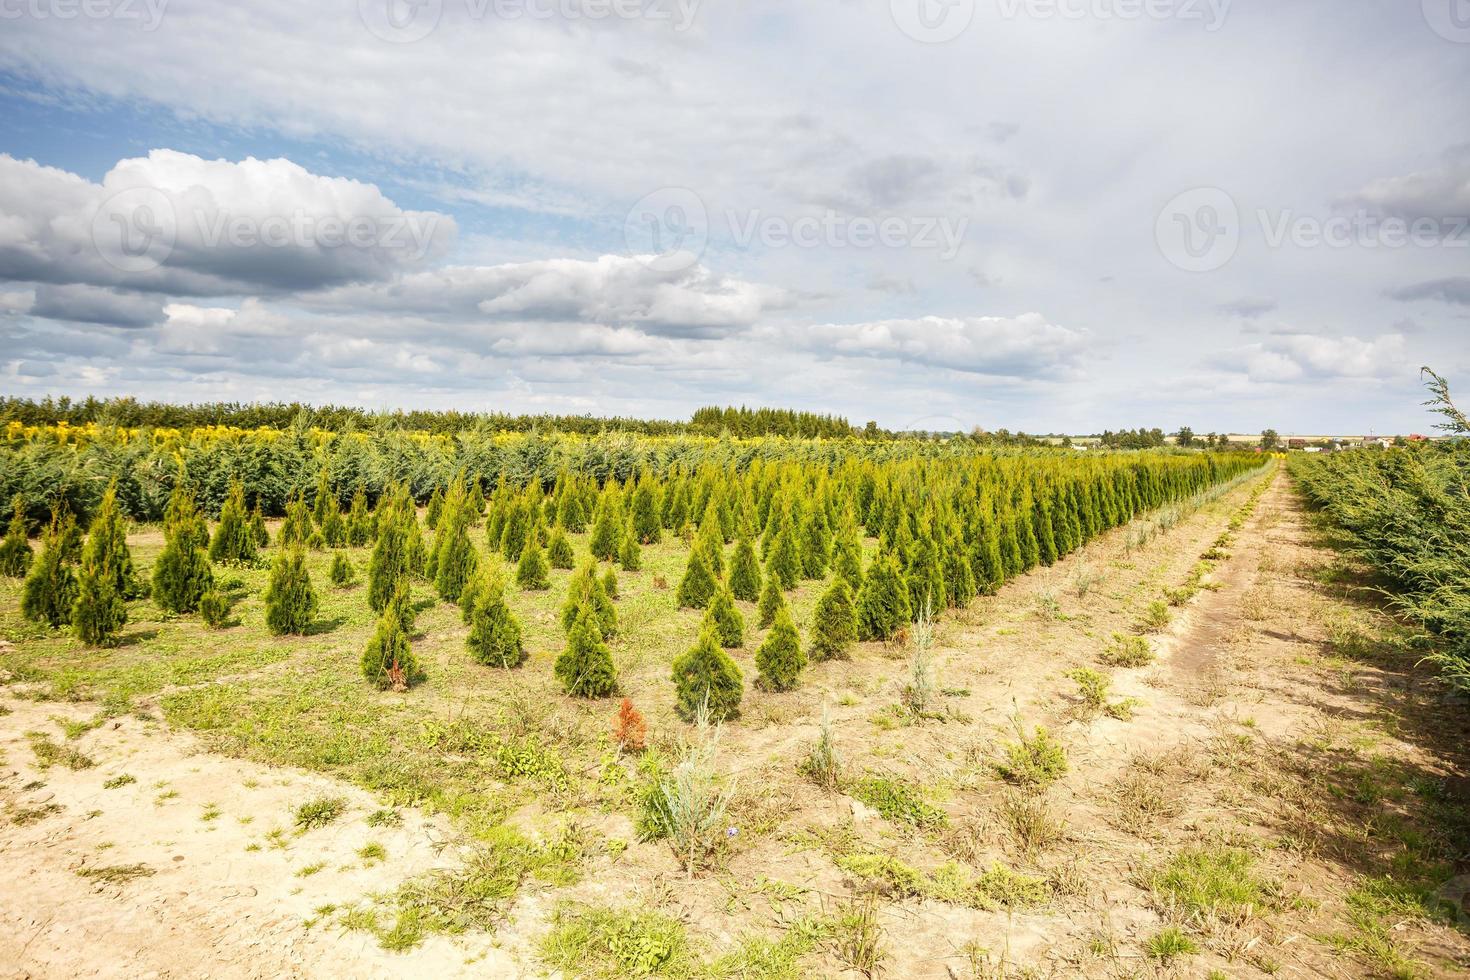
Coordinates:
[1296,444]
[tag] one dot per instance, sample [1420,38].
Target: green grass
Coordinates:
[599,941]
[48,753]
[1169,944]
[115,874]
[319,812]
[119,781]
[898,801]
[1213,881]
[1037,760]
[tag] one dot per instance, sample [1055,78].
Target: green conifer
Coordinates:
[883,602]
[779,658]
[607,530]
[290,601]
[585,667]
[706,676]
[644,516]
[296,528]
[214,609]
[610,583]
[697,586]
[559,551]
[771,602]
[50,587]
[725,620]
[813,545]
[234,540]
[495,634]
[388,661]
[784,565]
[182,574]
[585,591]
[258,528]
[745,572]
[359,519]
[532,572]
[327,510]
[631,557]
[834,623]
[98,613]
[15,550]
[342,574]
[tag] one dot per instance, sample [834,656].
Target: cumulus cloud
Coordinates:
[1304,356]
[176,223]
[1025,346]
[95,304]
[1439,194]
[613,290]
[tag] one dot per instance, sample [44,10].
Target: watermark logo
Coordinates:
[135,230]
[1450,19]
[669,229]
[1199,230]
[406,21]
[932,21]
[400,21]
[147,14]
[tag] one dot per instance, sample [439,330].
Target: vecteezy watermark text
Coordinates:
[405,21]
[937,21]
[147,14]
[671,229]
[1200,230]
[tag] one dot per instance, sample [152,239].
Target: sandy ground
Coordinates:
[1240,666]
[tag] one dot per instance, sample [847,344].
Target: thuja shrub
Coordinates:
[495,633]
[15,551]
[779,658]
[585,667]
[290,601]
[50,587]
[725,620]
[883,601]
[182,573]
[834,623]
[705,676]
[697,587]
[234,539]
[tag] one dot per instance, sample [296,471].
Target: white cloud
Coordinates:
[173,222]
[1290,357]
[1437,194]
[1025,346]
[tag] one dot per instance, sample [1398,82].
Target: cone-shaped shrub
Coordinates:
[532,572]
[585,667]
[15,550]
[709,543]
[50,587]
[610,583]
[98,614]
[234,540]
[883,602]
[959,579]
[586,591]
[495,634]
[108,546]
[745,572]
[559,550]
[515,528]
[631,557]
[290,601]
[771,602]
[608,531]
[725,620]
[388,660]
[644,516]
[328,511]
[296,528]
[343,574]
[182,573]
[847,555]
[707,672]
[834,623]
[779,658]
[697,586]
[814,547]
[359,519]
[435,509]
[454,558]
[214,609]
[258,528]
[389,564]
[784,565]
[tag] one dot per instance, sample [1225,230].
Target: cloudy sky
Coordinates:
[1055,215]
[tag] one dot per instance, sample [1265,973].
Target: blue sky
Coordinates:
[1053,218]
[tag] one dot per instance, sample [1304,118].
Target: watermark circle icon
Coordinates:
[400,21]
[1450,19]
[932,21]
[668,230]
[135,229]
[1199,230]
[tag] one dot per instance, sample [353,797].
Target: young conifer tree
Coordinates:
[532,572]
[50,588]
[607,530]
[559,550]
[631,556]
[779,657]
[342,573]
[705,676]
[697,586]
[290,601]
[745,572]
[453,559]
[495,633]
[814,547]
[234,540]
[834,623]
[784,564]
[771,602]
[883,603]
[585,667]
[182,573]
[586,591]
[359,519]
[296,528]
[388,660]
[725,620]
[98,613]
[258,528]
[389,565]
[644,516]
[15,551]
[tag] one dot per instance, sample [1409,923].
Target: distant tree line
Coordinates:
[134,414]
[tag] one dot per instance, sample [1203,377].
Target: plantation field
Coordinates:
[1179,744]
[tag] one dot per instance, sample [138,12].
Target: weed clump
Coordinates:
[1037,760]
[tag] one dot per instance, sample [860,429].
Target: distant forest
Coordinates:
[132,413]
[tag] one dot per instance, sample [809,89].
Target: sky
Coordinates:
[1047,215]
